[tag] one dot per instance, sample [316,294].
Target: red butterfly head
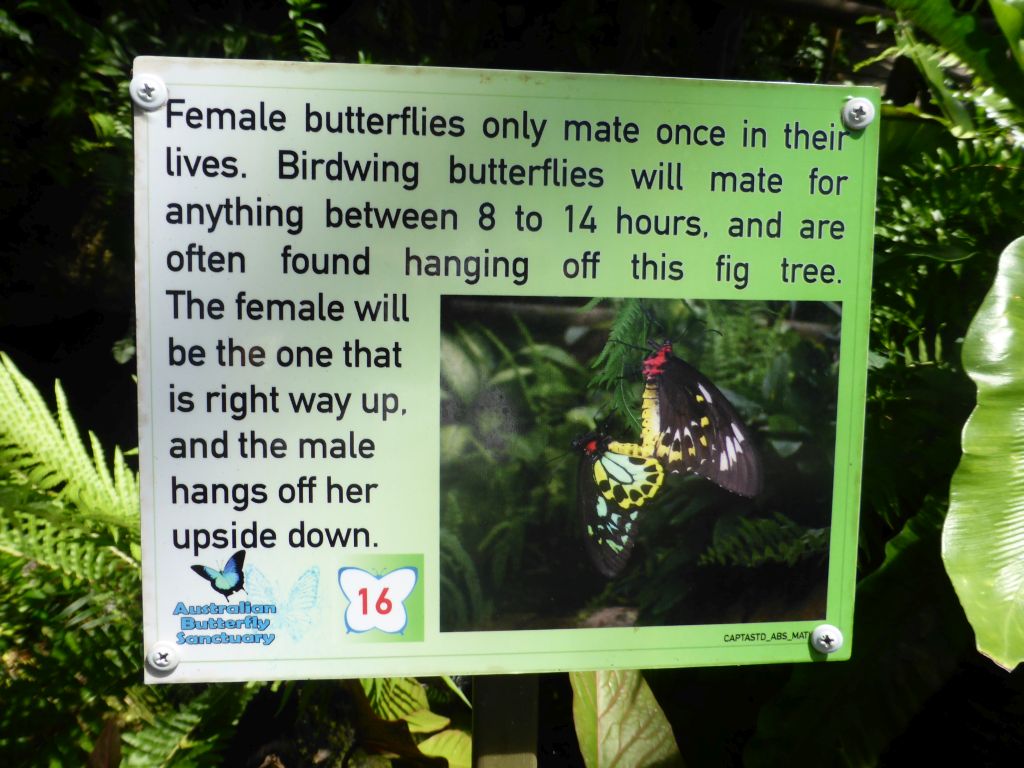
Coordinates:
[590,444]
[653,365]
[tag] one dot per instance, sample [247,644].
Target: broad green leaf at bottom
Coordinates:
[454,746]
[619,722]
[983,539]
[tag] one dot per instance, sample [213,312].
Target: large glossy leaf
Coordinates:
[983,540]
[964,35]
[454,746]
[619,722]
[907,133]
[1010,17]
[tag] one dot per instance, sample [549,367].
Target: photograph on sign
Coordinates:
[465,371]
[630,503]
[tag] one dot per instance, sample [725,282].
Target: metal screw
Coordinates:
[826,639]
[162,659]
[148,92]
[858,113]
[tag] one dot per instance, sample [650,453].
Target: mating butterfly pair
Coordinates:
[687,424]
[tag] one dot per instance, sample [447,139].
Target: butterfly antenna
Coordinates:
[650,317]
[628,345]
[601,418]
[654,322]
[707,328]
[623,396]
[557,459]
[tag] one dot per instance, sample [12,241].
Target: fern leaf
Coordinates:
[36,530]
[394,698]
[49,454]
[74,643]
[467,591]
[199,727]
[750,543]
[628,332]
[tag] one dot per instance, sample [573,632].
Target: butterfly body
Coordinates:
[614,481]
[227,581]
[688,424]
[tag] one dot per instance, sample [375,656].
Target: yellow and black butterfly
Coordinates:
[614,481]
[689,425]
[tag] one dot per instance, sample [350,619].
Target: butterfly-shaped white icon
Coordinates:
[377,602]
[296,614]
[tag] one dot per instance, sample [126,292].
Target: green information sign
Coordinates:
[466,371]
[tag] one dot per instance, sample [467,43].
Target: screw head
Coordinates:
[858,113]
[148,92]
[826,638]
[162,659]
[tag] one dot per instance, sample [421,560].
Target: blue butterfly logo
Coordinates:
[227,581]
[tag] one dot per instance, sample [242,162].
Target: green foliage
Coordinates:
[1010,16]
[406,699]
[908,638]
[965,206]
[983,540]
[69,126]
[940,216]
[403,698]
[507,410]
[963,34]
[454,746]
[618,721]
[368,722]
[788,49]
[754,542]
[194,733]
[461,593]
[69,625]
[944,208]
[310,33]
[68,569]
[617,358]
[48,455]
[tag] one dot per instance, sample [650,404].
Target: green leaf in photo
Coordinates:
[983,539]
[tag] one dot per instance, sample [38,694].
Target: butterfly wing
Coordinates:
[351,581]
[399,584]
[612,483]
[235,563]
[227,581]
[232,578]
[296,614]
[302,602]
[694,427]
[303,595]
[259,588]
[208,573]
